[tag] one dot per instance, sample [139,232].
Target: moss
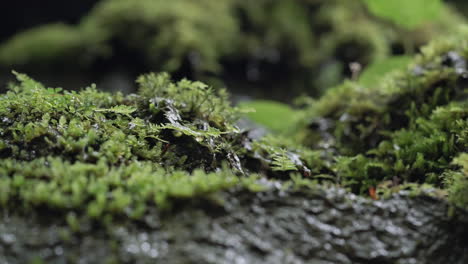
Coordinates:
[103,155]
[457,182]
[103,191]
[421,154]
[359,123]
[167,33]
[91,156]
[401,133]
[90,124]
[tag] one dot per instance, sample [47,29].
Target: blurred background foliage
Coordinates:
[263,49]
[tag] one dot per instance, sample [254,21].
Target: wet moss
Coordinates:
[102,155]
[402,132]
[435,78]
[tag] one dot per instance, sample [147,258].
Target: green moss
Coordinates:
[100,189]
[90,125]
[401,133]
[167,33]
[101,155]
[421,154]
[457,182]
[186,125]
[358,118]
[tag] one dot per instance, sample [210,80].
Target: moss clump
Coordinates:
[404,130]
[90,125]
[110,154]
[168,33]
[359,123]
[420,154]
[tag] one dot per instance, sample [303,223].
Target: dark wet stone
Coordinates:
[455,60]
[273,227]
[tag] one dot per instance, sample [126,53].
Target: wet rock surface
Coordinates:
[271,227]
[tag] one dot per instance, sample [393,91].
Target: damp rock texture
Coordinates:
[270,227]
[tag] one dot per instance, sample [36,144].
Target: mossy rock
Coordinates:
[92,176]
[166,173]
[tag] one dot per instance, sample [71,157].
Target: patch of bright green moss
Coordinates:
[100,189]
[108,154]
[89,125]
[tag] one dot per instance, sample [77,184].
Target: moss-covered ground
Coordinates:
[100,154]
[136,174]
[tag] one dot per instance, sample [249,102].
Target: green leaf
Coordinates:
[375,71]
[282,162]
[276,116]
[406,13]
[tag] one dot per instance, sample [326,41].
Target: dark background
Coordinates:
[17,16]
[115,74]
[20,15]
